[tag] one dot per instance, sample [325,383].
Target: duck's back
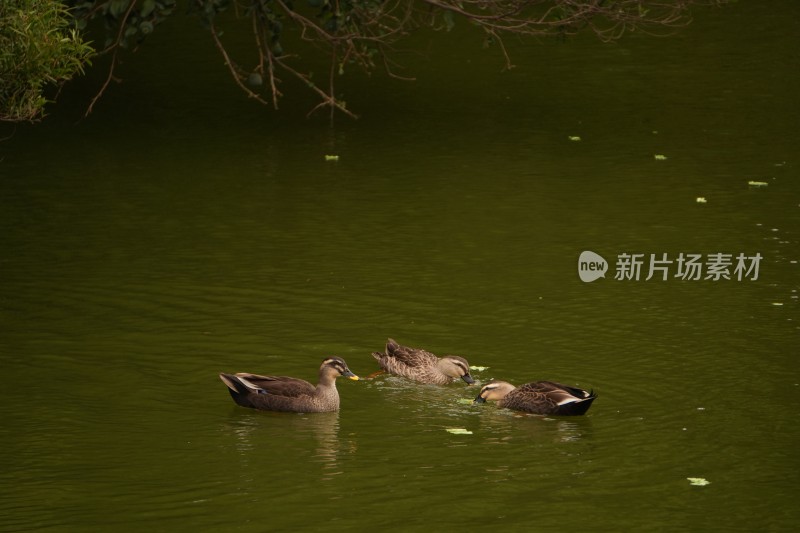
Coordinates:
[281,393]
[412,363]
[548,398]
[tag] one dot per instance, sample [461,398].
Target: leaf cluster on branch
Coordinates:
[37,48]
[365,33]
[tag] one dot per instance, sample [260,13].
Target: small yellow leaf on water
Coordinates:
[478,368]
[574,138]
[701,200]
[698,481]
[660,157]
[465,401]
[757,183]
[459,431]
[329,157]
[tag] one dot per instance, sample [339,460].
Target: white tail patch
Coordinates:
[248,384]
[572,400]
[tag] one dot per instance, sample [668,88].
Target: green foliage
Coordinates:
[37,49]
[127,22]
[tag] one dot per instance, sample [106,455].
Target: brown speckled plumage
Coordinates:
[281,393]
[540,397]
[421,365]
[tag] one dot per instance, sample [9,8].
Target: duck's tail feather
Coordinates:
[239,388]
[578,407]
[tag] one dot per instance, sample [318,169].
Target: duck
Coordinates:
[421,365]
[539,397]
[281,393]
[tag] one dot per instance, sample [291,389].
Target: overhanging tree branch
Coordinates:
[365,34]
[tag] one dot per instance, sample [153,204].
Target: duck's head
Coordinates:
[495,390]
[456,367]
[334,367]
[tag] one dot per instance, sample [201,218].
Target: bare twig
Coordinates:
[115,47]
[231,66]
[326,98]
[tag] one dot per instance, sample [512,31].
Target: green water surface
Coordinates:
[182,231]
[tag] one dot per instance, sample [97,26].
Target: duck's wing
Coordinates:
[412,357]
[559,392]
[548,397]
[277,385]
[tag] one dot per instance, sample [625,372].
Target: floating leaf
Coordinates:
[574,138]
[465,401]
[459,431]
[698,481]
[757,183]
[478,368]
[701,199]
[660,157]
[331,157]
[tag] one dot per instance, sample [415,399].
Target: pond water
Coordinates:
[182,231]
